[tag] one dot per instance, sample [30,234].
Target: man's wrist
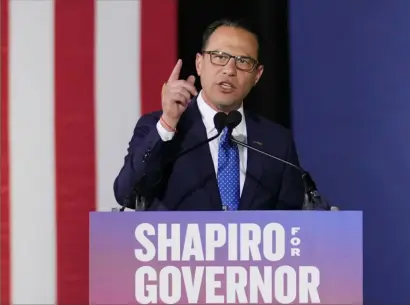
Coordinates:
[168,124]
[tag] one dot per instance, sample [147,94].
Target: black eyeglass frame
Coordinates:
[237,58]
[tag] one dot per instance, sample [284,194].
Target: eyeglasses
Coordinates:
[243,63]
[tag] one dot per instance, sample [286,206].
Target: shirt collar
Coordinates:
[208,114]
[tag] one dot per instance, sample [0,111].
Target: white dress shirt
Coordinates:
[239,133]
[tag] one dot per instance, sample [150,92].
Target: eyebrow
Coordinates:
[246,55]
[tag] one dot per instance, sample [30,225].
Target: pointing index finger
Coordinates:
[175,72]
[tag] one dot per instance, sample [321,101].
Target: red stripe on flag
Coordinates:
[158,49]
[75,145]
[5,179]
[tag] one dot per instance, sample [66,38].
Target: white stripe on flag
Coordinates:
[117,90]
[49,166]
[32,200]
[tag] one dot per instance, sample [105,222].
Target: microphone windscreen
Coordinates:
[220,121]
[233,119]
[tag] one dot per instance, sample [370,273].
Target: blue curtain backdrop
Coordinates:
[350,80]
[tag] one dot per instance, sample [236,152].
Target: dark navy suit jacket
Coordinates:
[189,183]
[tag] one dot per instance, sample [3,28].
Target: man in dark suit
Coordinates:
[219,175]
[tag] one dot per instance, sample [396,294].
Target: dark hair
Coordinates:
[236,23]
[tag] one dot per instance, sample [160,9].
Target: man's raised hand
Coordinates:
[176,94]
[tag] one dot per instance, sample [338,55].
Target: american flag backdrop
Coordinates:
[75,77]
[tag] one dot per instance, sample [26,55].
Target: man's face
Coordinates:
[225,86]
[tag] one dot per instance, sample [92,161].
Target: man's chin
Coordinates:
[224,105]
[225,102]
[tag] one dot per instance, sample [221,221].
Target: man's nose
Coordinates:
[230,67]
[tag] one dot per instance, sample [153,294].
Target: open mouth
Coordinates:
[226,86]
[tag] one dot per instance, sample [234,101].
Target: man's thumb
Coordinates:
[191,79]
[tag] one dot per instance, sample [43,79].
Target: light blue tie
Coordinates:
[228,172]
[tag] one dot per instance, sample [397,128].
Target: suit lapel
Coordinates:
[255,162]
[200,159]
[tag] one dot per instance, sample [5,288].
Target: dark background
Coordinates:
[337,72]
[271,97]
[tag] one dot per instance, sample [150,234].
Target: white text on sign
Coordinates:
[234,259]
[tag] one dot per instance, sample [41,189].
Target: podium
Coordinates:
[244,257]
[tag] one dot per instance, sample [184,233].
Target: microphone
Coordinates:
[312,200]
[220,122]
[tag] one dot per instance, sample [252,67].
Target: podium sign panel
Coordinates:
[245,257]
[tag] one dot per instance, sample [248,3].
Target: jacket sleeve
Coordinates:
[291,194]
[146,154]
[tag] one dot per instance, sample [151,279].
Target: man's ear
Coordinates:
[198,63]
[259,72]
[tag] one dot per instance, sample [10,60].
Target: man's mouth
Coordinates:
[227,85]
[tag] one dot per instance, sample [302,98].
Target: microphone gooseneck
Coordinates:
[220,122]
[312,198]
